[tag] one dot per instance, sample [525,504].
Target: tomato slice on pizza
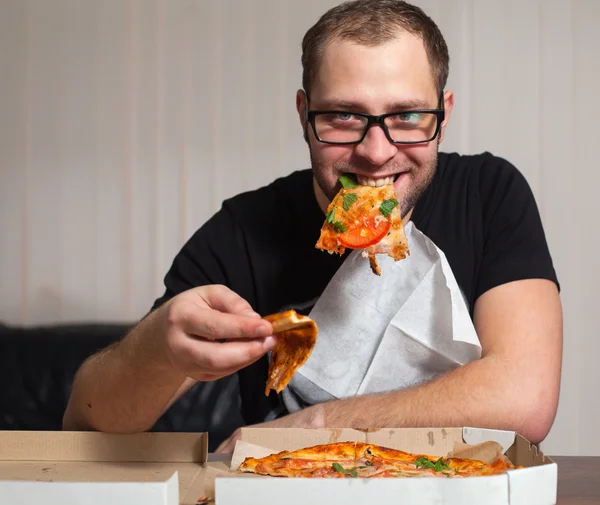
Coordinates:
[364,217]
[369,232]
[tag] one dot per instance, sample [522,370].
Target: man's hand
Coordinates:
[211,332]
[200,335]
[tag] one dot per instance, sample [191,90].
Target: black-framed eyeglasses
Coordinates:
[402,127]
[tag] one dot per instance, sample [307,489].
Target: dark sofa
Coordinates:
[37,366]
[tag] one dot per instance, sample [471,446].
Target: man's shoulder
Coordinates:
[486,169]
[480,165]
[484,175]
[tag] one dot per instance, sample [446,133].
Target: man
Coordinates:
[257,255]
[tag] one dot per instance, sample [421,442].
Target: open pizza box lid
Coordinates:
[73,468]
[535,484]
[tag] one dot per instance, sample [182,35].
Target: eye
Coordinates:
[345,116]
[410,117]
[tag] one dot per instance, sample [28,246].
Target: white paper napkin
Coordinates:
[388,332]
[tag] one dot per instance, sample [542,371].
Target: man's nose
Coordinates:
[375,147]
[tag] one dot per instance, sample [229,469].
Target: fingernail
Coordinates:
[251,313]
[269,342]
[262,331]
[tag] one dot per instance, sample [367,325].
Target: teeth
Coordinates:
[375,183]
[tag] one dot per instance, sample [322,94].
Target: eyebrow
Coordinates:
[335,104]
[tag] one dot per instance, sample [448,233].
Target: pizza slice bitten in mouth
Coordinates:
[364,217]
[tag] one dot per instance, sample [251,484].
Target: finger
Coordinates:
[225,358]
[224,299]
[209,377]
[215,325]
[230,371]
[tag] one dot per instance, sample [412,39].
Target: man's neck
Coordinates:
[323,201]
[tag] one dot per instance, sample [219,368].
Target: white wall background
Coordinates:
[124,124]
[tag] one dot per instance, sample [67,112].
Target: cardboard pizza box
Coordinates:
[73,468]
[535,484]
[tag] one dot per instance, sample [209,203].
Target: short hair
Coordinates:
[371,23]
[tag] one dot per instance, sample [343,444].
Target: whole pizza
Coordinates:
[357,459]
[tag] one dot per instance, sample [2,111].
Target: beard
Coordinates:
[420,178]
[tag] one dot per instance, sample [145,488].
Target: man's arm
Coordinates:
[126,387]
[514,386]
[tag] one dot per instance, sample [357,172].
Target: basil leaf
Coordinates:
[424,462]
[438,466]
[338,467]
[352,472]
[348,181]
[339,226]
[387,206]
[331,215]
[349,199]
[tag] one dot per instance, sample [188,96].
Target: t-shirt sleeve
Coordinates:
[215,254]
[515,245]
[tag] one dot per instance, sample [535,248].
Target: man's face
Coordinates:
[374,80]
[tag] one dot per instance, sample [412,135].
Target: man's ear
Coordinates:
[448,104]
[302,108]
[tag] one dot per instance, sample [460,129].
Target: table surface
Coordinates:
[578,480]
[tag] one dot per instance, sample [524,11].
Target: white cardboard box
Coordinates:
[535,484]
[89,468]
[90,493]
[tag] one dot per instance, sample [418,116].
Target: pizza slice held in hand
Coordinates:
[296,338]
[364,217]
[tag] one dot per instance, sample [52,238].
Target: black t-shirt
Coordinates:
[478,209]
